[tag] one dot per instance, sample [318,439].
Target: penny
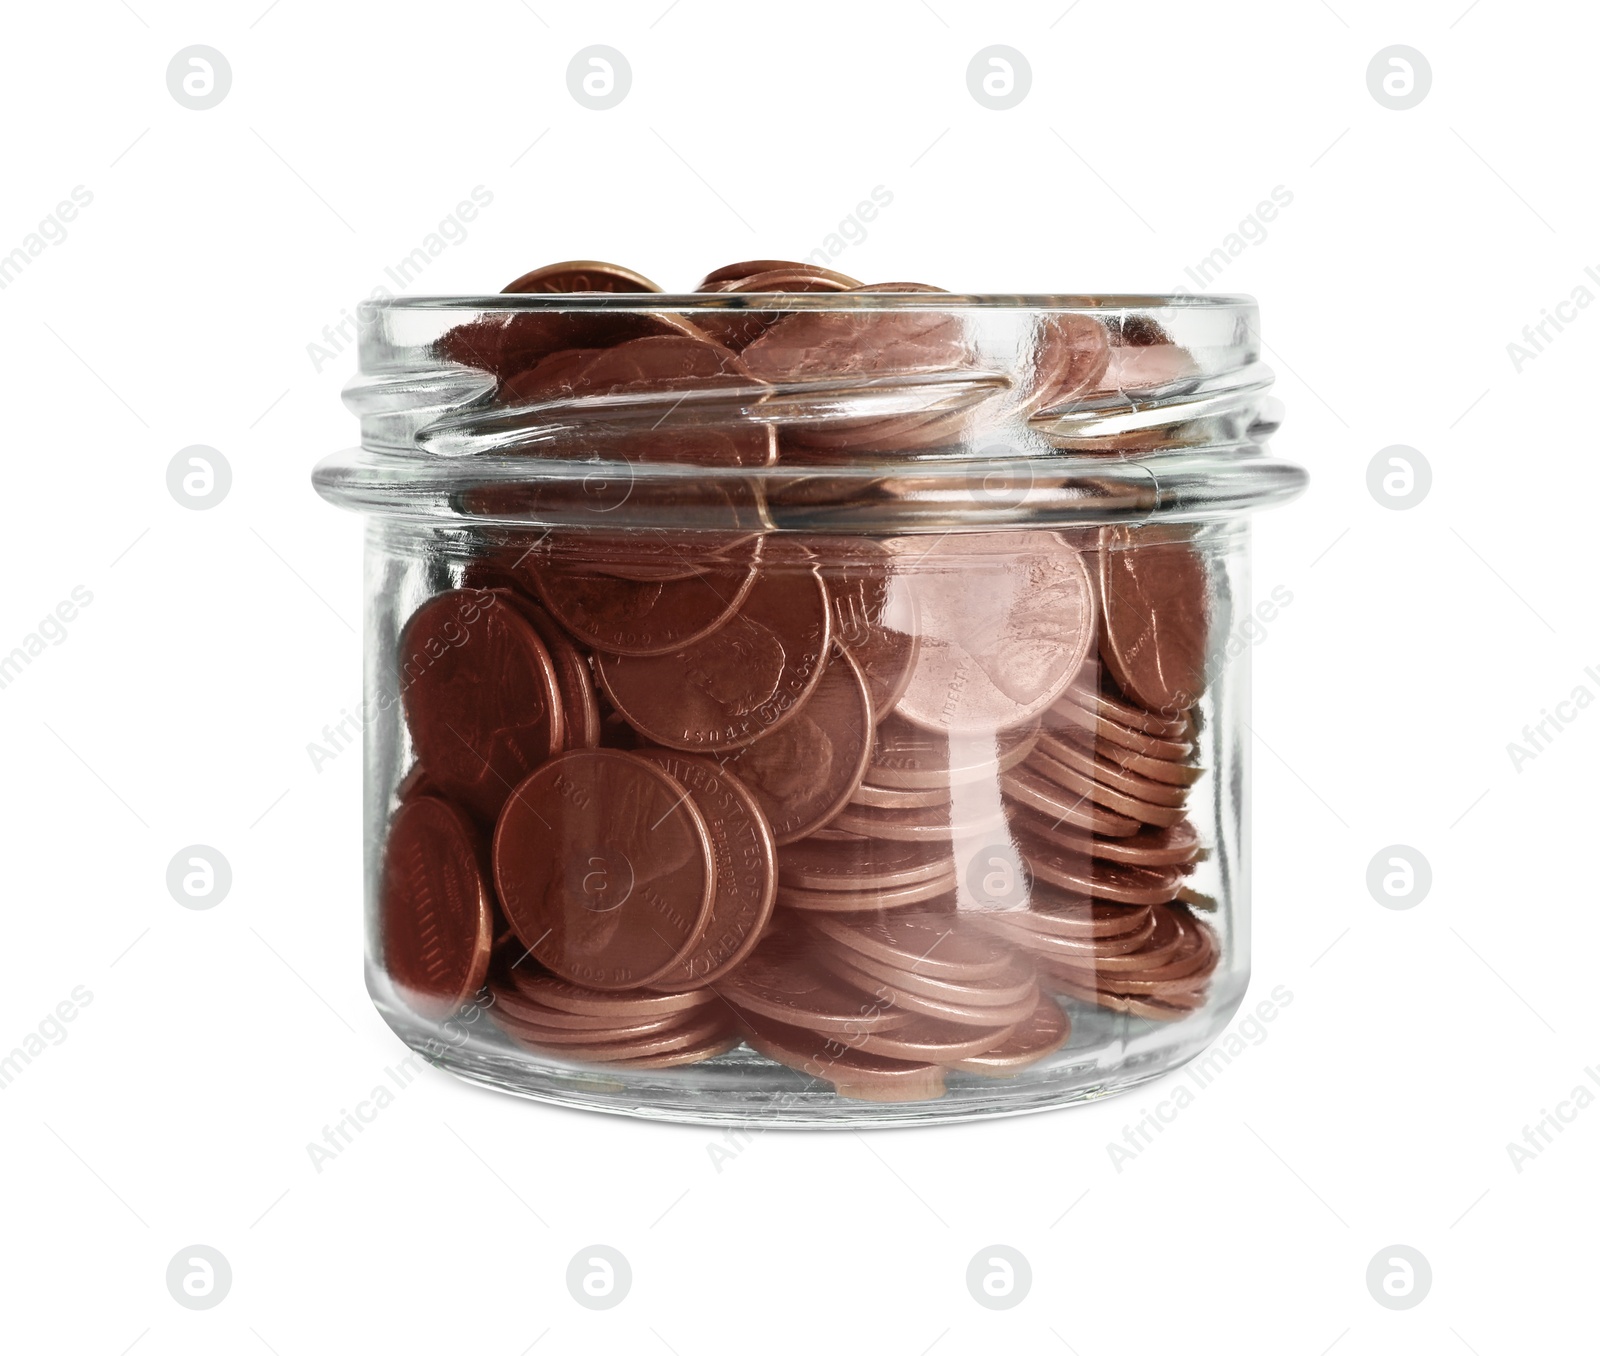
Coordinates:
[934,1041]
[1157,769]
[937,944]
[782,981]
[1071,354]
[897,996]
[1042,1032]
[1070,916]
[436,919]
[604,868]
[508,998]
[746,868]
[749,268]
[1112,774]
[1164,943]
[509,1019]
[1001,989]
[926,825]
[1155,599]
[1086,694]
[1112,881]
[743,680]
[906,756]
[508,343]
[738,328]
[861,1077]
[555,992]
[1178,845]
[480,695]
[1114,801]
[1027,785]
[553,377]
[1068,715]
[805,770]
[1069,948]
[894,798]
[642,617]
[714,1045]
[874,618]
[689,1033]
[1134,1007]
[582,275]
[873,896]
[862,864]
[580,712]
[1005,627]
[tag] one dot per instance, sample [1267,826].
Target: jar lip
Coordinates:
[1089,303]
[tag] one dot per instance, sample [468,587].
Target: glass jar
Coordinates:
[822,712]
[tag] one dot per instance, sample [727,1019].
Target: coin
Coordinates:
[1071,354]
[1046,795]
[1068,715]
[579,710]
[1157,769]
[858,1076]
[874,618]
[709,1048]
[1002,988]
[509,999]
[555,992]
[737,328]
[906,756]
[874,896]
[582,275]
[746,868]
[604,869]
[804,771]
[1073,918]
[782,981]
[1111,881]
[732,273]
[1155,598]
[507,343]
[1174,846]
[692,1032]
[1074,781]
[896,996]
[1005,627]
[896,798]
[509,1017]
[861,864]
[940,944]
[553,377]
[1042,1032]
[1110,773]
[935,1041]
[641,617]
[743,680]
[926,825]
[436,918]
[1086,693]
[480,696]
[1041,937]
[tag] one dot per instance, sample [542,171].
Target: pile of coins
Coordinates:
[883,809]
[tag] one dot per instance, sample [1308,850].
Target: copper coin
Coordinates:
[782,981]
[1067,714]
[715,280]
[508,998]
[553,377]
[554,992]
[1156,600]
[580,712]
[737,328]
[436,918]
[712,1046]
[896,996]
[1157,769]
[1112,774]
[604,868]
[1095,698]
[861,864]
[1042,1032]
[742,681]
[905,756]
[1068,948]
[747,868]
[1178,845]
[1134,1007]
[915,826]
[1006,622]
[692,1032]
[861,1077]
[510,342]
[582,275]
[867,897]
[480,696]
[1163,945]
[805,771]
[874,618]
[1027,786]
[1071,354]
[1110,881]
[1070,916]
[642,617]
[896,798]
[939,944]
[1115,801]
[508,1018]
[1002,989]
[934,1041]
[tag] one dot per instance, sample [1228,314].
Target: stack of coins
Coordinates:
[733,786]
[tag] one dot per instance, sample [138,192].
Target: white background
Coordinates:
[178,707]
